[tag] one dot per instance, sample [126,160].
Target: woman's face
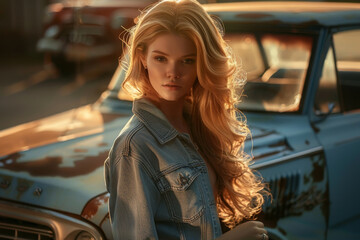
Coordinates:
[171,64]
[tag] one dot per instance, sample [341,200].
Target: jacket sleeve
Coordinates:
[133,198]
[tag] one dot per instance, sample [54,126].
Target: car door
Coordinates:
[337,126]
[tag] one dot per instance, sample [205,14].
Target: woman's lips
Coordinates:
[171,86]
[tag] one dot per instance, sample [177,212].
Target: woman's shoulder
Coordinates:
[133,138]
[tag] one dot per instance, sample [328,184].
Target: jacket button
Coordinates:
[183,179]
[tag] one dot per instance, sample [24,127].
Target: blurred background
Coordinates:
[57,55]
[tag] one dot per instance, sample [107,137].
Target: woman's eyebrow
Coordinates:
[165,54]
[190,55]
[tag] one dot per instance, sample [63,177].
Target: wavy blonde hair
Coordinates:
[214,125]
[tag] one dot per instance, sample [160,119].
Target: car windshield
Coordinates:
[276,66]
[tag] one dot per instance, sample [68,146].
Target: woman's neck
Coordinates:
[174,112]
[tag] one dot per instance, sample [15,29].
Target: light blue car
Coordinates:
[302,103]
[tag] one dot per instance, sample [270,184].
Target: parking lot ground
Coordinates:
[29,90]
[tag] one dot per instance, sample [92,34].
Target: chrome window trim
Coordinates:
[267,163]
[64,226]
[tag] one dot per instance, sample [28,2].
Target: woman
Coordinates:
[178,165]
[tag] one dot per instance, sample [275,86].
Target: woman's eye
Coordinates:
[160,59]
[189,61]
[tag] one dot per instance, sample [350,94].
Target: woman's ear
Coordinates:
[143,60]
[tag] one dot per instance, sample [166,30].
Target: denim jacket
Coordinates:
[159,184]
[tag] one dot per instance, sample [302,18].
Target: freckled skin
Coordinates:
[171,64]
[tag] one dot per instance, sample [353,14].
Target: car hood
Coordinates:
[62,127]
[266,143]
[57,162]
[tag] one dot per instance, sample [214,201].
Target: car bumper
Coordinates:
[49,45]
[42,223]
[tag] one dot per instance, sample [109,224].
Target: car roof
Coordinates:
[288,13]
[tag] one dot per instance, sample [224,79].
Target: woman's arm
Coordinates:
[252,230]
[133,199]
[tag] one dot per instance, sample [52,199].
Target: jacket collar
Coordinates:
[154,120]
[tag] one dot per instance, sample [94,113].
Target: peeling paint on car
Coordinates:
[293,197]
[267,143]
[5,181]
[50,166]
[91,208]
[103,144]
[317,175]
[23,186]
[78,150]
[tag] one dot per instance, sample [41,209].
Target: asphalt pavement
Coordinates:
[30,90]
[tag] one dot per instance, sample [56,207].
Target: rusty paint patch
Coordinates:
[287,202]
[318,172]
[273,149]
[306,201]
[14,157]
[80,150]
[103,144]
[50,166]
[23,186]
[318,175]
[93,205]
[309,200]
[5,181]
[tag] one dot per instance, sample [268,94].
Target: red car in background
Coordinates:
[78,31]
[83,30]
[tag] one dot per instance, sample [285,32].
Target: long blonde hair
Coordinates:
[215,128]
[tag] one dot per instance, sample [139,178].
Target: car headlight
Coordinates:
[52,31]
[83,235]
[34,220]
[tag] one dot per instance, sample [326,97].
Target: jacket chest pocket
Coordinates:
[182,193]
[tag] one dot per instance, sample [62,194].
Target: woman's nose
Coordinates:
[173,71]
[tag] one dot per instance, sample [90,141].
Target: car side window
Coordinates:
[327,93]
[347,55]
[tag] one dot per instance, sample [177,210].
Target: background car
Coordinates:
[86,30]
[301,103]
[77,31]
